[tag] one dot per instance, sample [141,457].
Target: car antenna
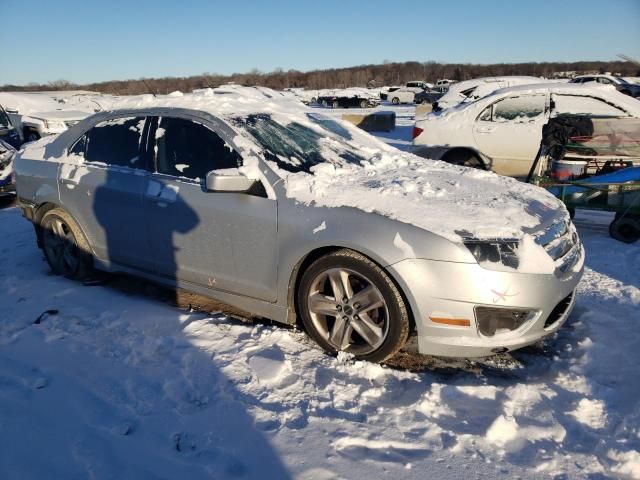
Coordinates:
[148,88]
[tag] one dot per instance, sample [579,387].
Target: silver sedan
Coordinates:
[197,196]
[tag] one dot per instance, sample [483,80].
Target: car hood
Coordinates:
[456,203]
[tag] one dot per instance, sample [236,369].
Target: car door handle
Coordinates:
[68,181]
[485,129]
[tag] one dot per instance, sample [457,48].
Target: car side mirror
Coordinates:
[228,183]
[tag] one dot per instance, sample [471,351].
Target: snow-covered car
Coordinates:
[7,183]
[502,131]
[8,133]
[347,98]
[470,90]
[367,245]
[36,115]
[621,84]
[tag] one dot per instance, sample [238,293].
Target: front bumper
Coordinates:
[449,290]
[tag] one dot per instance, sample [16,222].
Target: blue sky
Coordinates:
[85,41]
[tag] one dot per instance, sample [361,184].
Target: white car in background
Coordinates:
[502,131]
[470,90]
[38,114]
[403,95]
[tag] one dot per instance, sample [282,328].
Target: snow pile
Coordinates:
[447,200]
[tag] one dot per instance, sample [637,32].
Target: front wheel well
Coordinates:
[314,255]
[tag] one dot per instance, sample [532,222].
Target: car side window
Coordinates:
[115,142]
[582,105]
[79,147]
[188,149]
[523,109]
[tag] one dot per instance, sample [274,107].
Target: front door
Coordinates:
[220,240]
[509,132]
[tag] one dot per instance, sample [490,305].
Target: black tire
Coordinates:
[335,104]
[395,319]
[325,103]
[65,247]
[625,229]
[395,100]
[364,104]
[464,158]
[313,100]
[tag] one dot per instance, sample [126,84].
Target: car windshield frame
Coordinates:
[302,143]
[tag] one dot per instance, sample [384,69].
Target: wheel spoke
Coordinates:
[58,230]
[322,305]
[340,285]
[367,329]
[340,334]
[367,299]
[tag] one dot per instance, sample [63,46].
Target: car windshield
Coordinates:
[296,147]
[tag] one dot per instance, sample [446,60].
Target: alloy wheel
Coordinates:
[348,310]
[61,247]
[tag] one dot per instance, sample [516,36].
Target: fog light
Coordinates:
[494,320]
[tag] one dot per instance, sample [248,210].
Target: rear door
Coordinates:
[101,182]
[220,240]
[509,132]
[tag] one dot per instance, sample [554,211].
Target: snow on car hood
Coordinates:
[450,201]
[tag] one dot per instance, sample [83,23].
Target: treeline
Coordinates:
[388,73]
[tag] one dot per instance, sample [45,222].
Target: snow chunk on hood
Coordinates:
[450,201]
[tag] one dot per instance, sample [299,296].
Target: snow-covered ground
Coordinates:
[114,382]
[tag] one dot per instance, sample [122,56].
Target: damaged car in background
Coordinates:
[502,131]
[36,115]
[7,178]
[370,248]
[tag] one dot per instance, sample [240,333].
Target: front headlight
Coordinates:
[493,254]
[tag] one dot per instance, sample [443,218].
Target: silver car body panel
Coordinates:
[246,250]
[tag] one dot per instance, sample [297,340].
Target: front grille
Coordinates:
[561,242]
[559,310]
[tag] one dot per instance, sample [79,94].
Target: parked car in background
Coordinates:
[7,178]
[470,90]
[384,94]
[403,95]
[620,84]
[144,190]
[8,133]
[347,98]
[428,96]
[37,114]
[419,84]
[502,131]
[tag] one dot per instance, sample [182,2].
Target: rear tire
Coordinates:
[364,104]
[370,320]
[335,104]
[64,245]
[395,100]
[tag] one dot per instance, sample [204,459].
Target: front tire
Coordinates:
[348,303]
[395,100]
[65,248]
[625,229]
[335,104]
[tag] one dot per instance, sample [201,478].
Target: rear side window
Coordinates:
[188,149]
[115,142]
[580,105]
[523,109]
